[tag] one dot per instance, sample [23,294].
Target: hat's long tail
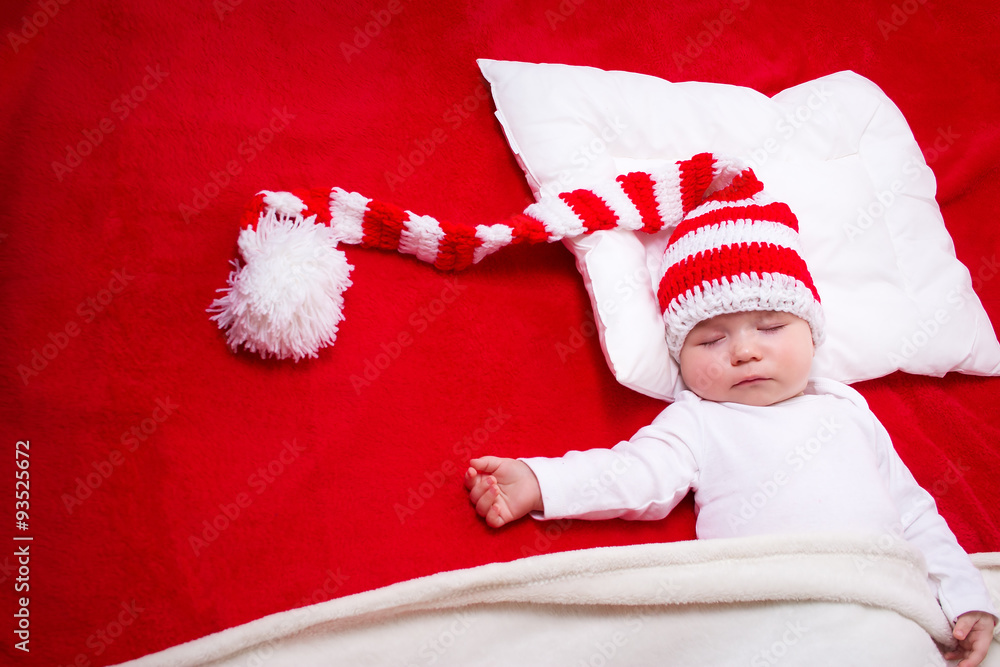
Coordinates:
[286,299]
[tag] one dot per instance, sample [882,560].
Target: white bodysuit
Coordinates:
[819,462]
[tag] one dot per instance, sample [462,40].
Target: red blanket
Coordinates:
[176,488]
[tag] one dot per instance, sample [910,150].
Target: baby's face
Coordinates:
[754,358]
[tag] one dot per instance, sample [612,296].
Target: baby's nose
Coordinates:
[744,349]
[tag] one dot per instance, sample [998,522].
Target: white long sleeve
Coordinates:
[641,478]
[957,582]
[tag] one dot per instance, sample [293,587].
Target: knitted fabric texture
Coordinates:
[731,249]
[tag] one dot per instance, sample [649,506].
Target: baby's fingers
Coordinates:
[963,625]
[977,651]
[487,499]
[486,464]
[480,485]
[498,514]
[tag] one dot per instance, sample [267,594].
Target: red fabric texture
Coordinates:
[177,488]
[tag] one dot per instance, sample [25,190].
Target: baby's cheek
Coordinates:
[700,371]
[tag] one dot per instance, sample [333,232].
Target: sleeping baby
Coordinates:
[743,319]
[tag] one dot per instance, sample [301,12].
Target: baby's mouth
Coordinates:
[750,381]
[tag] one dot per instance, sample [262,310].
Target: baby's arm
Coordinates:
[502,490]
[974,632]
[960,585]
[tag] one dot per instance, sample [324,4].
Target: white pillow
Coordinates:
[836,149]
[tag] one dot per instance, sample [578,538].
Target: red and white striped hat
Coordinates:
[737,251]
[731,250]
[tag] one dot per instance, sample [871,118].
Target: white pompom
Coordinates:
[287,299]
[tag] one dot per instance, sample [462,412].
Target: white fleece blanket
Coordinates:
[797,600]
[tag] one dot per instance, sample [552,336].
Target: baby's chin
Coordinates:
[760,394]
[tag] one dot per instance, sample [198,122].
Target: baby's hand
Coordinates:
[502,489]
[974,632]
